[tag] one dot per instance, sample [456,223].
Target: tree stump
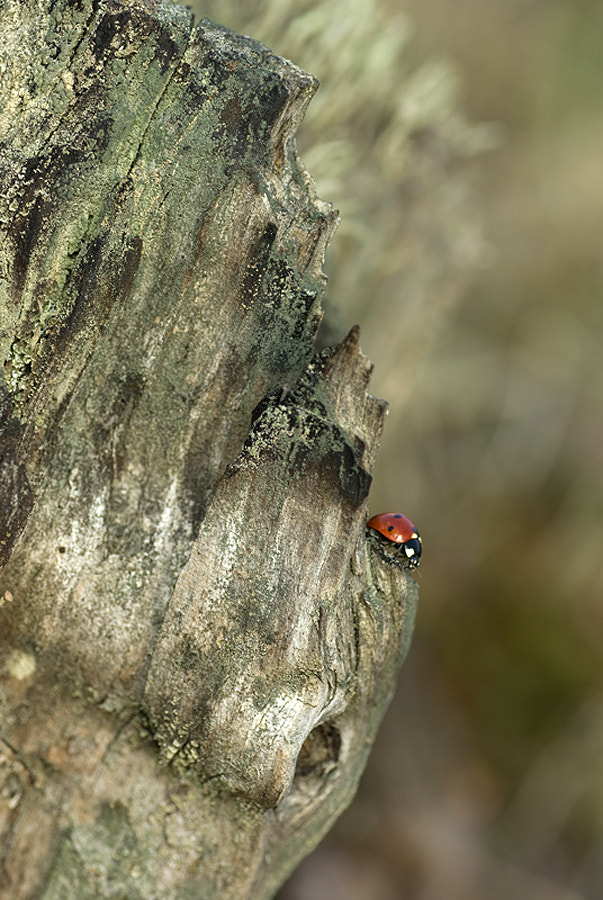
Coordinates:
[197,641]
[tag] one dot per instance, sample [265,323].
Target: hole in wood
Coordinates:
[319,752]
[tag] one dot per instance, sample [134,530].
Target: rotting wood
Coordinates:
[197,644]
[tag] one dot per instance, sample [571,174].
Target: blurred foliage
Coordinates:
[486,781]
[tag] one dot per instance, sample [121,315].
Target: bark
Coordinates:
[197,642]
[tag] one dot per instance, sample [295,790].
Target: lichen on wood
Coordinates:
[196,642]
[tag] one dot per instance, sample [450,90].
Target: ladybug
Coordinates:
[400,536]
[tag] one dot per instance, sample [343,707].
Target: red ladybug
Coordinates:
[399,531]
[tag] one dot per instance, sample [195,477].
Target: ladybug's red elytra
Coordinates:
[399,531]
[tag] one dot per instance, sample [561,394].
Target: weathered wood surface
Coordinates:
[196,642]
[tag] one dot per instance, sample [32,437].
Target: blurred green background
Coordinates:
[463,144]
